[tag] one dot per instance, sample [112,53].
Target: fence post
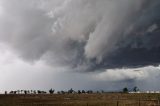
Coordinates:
[139,103]
[117,103]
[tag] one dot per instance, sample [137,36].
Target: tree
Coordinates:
[62,92]
[89,91]
[83,91]
[51,91]
[34,91]
[25,92]
[11,92]
[125,90]
[59,92]
[15,92]
[135,89]
[43,92]
[97,92]
[70,91]
[5,92]
[102,91]
[39,92]
[79,92]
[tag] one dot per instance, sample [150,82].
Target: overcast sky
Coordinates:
[79,44]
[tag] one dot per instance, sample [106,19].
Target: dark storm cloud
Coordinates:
[83,34]
[140,47]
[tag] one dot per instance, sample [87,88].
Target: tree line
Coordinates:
[70,91]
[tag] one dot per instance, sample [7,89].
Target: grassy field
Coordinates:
[106,99]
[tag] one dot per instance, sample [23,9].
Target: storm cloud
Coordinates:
[85,35]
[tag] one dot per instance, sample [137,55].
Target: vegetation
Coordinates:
[125,90]
[51,91]
[135,89]
[78,98]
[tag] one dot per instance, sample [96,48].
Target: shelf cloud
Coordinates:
[85,35]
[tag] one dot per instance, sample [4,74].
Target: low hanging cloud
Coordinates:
[132,74]
[85,35]
[146,78]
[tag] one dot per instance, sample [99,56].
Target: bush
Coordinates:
[125,90]
[51,91]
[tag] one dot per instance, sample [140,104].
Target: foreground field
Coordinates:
[106,99]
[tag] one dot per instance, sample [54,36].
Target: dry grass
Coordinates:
[107,99]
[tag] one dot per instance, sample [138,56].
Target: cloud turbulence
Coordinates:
[85,35]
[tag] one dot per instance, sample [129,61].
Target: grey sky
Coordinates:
[81,44]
